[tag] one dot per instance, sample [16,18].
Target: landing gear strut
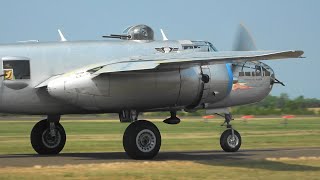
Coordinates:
[48,136]
[128,115]
[230,139]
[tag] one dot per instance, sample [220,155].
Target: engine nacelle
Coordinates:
[161,89]
[128,90]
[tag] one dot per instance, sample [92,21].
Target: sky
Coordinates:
[274,25]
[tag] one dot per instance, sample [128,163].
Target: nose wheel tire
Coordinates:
[230,142]
[42,140]
[142,140]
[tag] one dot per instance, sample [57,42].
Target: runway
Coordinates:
[30,160]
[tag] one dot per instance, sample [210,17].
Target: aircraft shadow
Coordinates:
[253,159]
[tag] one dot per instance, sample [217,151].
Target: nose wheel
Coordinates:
[230,139]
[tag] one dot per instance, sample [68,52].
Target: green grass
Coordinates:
[191,134]
[255,169]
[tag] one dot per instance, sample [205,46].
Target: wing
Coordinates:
[201,58]
[176,60]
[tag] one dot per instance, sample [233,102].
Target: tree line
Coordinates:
[273,105]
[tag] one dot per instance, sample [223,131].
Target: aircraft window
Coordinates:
[266,72]
[251,69]
[202,46]
[17,69]
[187,47]
[211,47]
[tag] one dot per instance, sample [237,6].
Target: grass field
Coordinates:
[191,134]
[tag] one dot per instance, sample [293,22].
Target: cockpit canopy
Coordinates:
[252,69]
[139,32]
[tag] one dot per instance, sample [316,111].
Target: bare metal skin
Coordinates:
[130,75]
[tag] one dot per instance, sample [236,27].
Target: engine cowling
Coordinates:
[216,84]
[160,89]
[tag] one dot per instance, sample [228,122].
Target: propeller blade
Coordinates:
[244,40]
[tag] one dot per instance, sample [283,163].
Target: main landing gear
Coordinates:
[141,139]
[230,139]
[48,136]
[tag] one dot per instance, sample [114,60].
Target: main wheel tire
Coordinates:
[42,141]
[142,140]
[228,143]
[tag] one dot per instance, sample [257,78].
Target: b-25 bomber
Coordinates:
[128,74]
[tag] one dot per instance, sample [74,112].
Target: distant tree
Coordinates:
[271,105]
[282,100]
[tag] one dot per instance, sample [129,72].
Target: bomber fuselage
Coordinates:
[31,64]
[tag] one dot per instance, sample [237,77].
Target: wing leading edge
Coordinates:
[167,60]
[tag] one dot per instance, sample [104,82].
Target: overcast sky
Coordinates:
[274,24]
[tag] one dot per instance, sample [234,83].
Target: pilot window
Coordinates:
[187,47]
[16,69]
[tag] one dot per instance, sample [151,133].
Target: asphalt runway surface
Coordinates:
[30,160]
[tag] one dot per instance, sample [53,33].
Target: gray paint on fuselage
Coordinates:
[258,87]
[49,59]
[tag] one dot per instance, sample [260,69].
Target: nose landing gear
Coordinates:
[230,139]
